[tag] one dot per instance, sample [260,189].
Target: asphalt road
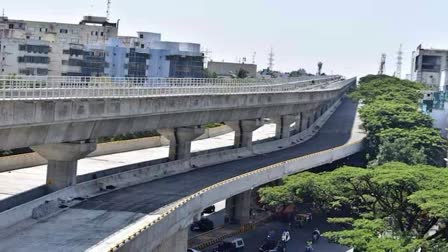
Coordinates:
[254,239]
[146,198]
[81,227]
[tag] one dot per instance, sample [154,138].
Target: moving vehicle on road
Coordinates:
[202,225]
[272,246]
[230,245]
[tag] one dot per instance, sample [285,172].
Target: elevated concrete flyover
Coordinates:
[61,118]
[38,119]
[152,216]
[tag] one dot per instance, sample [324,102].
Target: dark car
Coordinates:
[202,225]
[272,246]
[230,245]
[209,210]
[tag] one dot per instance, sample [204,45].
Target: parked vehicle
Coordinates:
[202,225]
[209,210]
[230,245]
[192,250]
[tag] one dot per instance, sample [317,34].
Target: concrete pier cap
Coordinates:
[63,161]
[180,140]
[283,124]
[244,130]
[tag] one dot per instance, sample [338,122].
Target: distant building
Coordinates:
[430,67]
[229,69]
[92,48]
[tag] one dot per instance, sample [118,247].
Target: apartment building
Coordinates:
[92,48]
[430,66]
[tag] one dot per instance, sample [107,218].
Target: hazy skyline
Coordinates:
[349,36]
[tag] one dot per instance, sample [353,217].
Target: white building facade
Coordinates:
[92,48]
[430,66]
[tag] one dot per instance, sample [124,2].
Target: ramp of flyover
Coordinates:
[141,215]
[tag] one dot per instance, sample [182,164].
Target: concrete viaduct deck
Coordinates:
[101,222]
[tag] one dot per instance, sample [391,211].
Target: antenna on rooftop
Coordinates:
[382,69]
[399,62]
[271,59]
[109,2]
[253,57]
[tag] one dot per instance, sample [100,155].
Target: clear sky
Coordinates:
[347,35]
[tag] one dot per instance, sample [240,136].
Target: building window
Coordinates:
[40,38]
[34,59]
[27,37]
[102,34]
[142,45]
[3,69]
[96,33]
[63,31]
[141,36]
[35,48]
[11,26]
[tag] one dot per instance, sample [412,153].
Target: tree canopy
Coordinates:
[393,122]
[389,208]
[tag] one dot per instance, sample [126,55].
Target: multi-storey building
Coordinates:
[147,55]
[430,66]
[92,48]
[44,48]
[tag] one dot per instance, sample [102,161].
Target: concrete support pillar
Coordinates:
[306,120]
[63,161]
[298,127]
[178,242]
[238,208]
[283,123]
[243,131]
[315,115]
[180,141]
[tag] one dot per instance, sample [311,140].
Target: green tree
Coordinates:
[209,74]
[399,150]
[381,115]
[421,139]
[401,199]
[298,73]
[373,88]
[242,73]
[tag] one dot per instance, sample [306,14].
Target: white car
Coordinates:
[237,242]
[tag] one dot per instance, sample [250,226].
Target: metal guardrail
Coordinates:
[63,87]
